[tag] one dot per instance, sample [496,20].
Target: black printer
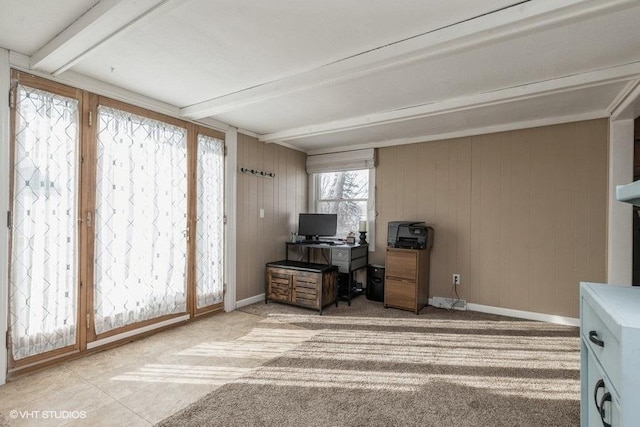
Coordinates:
[410,235]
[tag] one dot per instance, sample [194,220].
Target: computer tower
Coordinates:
[375,283]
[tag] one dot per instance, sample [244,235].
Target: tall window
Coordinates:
[344,184]
[43,270]
[141,219]
[346,194]
[210,222]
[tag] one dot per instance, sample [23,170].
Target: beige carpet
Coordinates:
[367,366]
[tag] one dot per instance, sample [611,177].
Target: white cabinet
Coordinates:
[609,355]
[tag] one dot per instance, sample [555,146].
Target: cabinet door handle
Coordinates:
[605,398]
[599,385]
[593,337]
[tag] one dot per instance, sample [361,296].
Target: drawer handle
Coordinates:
[605,398]
[593,337]
[599,385]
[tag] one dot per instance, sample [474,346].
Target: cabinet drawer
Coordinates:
[358,263]
[279,285]
[402,264]
[305,289]
[340,258]
[597,387]
[400,293]
[342,254]
[593,330]
[343,266]
[359,252]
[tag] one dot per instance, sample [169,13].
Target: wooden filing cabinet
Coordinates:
[406,279]
[609,355]
[301,283]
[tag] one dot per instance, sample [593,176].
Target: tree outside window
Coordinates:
[346,194]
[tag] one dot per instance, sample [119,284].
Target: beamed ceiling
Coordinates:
[334,75]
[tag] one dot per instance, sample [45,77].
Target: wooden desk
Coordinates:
[348,259]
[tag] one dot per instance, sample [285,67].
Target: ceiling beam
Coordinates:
[104,21]
[505,127]
[511,94]
[627,103]
[489,28]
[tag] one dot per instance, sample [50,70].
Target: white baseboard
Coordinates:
[449,303]
[521,314]
[250,300]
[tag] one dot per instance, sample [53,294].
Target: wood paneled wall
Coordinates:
[261,240]
[521,215]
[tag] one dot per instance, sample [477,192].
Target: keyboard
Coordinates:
[319,242]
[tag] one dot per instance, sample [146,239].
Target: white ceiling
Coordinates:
[334,75]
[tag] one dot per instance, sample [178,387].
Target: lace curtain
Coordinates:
[210,224]
[43,270]
[141,218]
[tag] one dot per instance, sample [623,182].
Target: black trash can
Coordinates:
[375,282]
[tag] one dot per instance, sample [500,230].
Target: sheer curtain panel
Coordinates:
[210,222]
[141,219]
[43,270]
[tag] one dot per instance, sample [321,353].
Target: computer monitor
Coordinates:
[313,225]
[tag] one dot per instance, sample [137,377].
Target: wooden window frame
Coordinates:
[86,195]
[20,78]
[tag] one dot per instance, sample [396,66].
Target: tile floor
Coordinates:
[143,382]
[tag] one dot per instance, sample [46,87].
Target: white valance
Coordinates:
[343,161]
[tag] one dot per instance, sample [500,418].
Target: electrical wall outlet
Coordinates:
[456,279]
[261,212]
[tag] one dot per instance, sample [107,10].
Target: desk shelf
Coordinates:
[347,292]
[347,258]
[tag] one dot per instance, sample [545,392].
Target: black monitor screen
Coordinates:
[317,224]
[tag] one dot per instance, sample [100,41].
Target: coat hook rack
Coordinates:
[257,172]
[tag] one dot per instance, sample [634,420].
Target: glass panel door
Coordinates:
[130,175]
[141,220]
[210,222]
[43,271]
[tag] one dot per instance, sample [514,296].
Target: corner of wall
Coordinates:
[231,191]
[266,208]
[619,220]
